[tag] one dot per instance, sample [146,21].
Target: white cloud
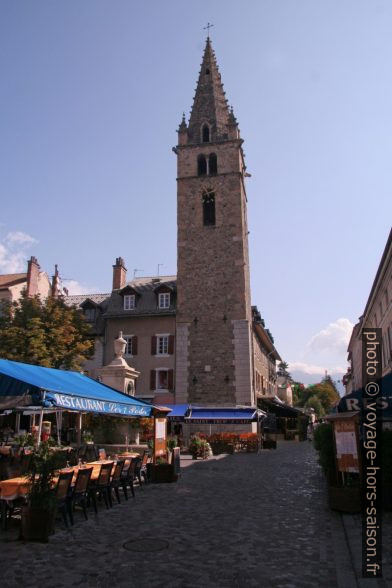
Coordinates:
[313,369]
[13,255]
[75,287]
[334,338]
[11,263]
[19,238]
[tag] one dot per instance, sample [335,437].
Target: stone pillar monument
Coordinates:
[118,374]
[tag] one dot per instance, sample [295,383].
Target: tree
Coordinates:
[325,392]
[283,370]
[314,402]
[47,333]
[298,390]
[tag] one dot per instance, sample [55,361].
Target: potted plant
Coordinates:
[343,498]
[39,511]
[87,437]
[162,472]
[171,444]
[26,440]
[195,446]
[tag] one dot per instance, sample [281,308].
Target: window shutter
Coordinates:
[153,345]
[171,344]
[134,345]
[152,380]
[170,383]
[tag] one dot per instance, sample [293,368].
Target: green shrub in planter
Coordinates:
[324,443]
[38,514]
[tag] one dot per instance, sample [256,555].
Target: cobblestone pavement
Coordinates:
[245,520]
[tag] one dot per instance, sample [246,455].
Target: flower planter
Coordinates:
[269,444]
[37,524]
[344,499]
[161,473]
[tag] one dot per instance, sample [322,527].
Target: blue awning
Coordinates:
[353,401]
[224,415]
[24,384]
[203,415]
[178,411]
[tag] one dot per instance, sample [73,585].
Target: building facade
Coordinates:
[377,314]
[34,281]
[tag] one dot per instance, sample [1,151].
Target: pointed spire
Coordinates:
[232,118]
[210,105]
[183,125]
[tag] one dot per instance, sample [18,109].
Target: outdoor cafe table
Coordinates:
[17,487]
[5,450]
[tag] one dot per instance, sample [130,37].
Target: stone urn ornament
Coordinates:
[119,346]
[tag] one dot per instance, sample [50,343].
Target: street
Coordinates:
[244,520]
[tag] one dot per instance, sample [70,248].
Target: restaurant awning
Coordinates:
[23,384]
[187,413]
[353,401]
[274,405]
[178,411]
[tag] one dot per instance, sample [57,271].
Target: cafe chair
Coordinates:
[128,477]
[141,469]
[62,494]
[101,486]
[25,462]
[72,457]
[115,482]
[79,492]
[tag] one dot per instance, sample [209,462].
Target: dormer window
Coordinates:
[164,300]
[89,314]
[129,301]
[205,134]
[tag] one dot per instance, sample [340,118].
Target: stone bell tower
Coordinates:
[213,322]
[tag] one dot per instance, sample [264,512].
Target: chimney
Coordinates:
[33,269]
[56,283]
[119,274]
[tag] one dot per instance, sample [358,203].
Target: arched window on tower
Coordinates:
[208,208]
[205,134]
[212,164]
[201,165]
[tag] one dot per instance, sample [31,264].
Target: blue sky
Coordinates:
[93,93]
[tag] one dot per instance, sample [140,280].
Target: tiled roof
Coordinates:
[78,299]
[147,301]
[152,281]
[10,279]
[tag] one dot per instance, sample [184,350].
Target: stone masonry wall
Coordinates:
[213,275]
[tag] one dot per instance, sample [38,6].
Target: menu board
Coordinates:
[160,445]
[160,429]
[346,445]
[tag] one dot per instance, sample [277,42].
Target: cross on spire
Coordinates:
[209,25]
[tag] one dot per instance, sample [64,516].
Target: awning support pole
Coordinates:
[41,418]
[79,429]
[17,423]
[59,419]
